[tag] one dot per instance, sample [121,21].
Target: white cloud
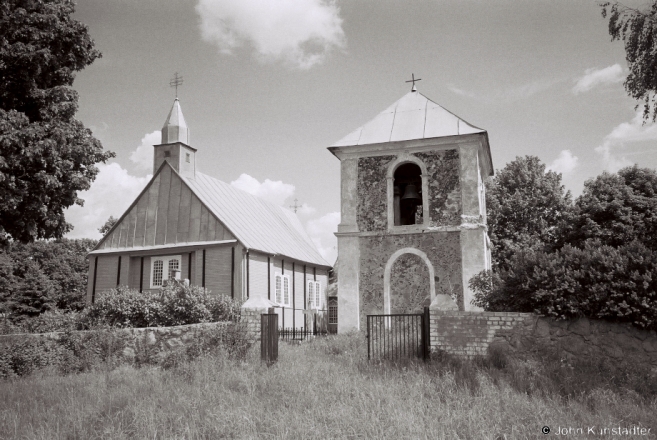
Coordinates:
[595,77]
[306,210]
[297,32]
[274,191]
[460,92]
[565,163]
[321,231]
[142,157]
[110,194]
[627,132]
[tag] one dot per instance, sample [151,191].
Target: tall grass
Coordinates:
[321,389]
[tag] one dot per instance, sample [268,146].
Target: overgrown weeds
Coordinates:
[324,388]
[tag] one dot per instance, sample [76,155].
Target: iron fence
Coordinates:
[398,336]
[315,323]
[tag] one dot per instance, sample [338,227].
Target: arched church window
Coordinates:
[407,195]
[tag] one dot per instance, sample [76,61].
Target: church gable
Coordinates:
[166,212]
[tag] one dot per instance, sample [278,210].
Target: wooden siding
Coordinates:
[107,269]
[135,271]
[124,279]
[217,270]
[166,213]
[90,279]
[323,278]
[258,281]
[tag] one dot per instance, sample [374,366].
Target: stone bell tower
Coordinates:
[413,215]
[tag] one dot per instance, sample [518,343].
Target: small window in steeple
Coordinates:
[167,154]
[187,157]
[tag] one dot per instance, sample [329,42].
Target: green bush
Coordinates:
[175,304]
[597,281]
[73,352]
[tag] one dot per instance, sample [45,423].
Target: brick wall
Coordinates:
[470,334]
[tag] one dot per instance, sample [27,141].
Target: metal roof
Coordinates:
[414,116]
[175,128]
[257,224]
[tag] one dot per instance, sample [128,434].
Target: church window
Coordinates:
[314,295]
[163,269]
[187,157]
[282,290]
[167,153]
[407,195]
[333,311]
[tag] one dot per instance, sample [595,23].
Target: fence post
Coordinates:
[269,338]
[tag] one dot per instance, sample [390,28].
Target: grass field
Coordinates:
[322,389]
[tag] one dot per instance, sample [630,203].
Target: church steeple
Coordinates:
[175,128]
[175,147]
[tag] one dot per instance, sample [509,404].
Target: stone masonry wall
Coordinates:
[163,339]
[472,333]
[443,249]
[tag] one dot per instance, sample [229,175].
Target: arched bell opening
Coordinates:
[407,201]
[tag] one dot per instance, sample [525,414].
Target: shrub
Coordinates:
[597,281]
[175,304]
[124,307]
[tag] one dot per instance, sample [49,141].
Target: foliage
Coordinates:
[109,224]
[46,155]
[52,273]
[598,259]
[617,209]
[638,30]
[526,206]
[51,321]
[175,304]
[597,281]
[72,352]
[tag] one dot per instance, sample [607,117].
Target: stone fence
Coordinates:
[472,333]
[161,340]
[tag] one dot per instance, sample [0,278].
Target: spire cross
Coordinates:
[175,82]
[296,205]
[413,81]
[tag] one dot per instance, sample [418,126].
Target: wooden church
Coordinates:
[188,225]
[413,216]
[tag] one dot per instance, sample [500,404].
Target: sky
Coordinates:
[268,86]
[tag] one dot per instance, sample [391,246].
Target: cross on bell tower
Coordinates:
[177,81]
[413,81]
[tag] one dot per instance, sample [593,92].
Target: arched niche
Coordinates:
[405,170]
[388,270]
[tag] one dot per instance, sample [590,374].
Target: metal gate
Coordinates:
[269,337]
[398,336]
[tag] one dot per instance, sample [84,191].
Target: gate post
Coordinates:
[269,337]
[426,333]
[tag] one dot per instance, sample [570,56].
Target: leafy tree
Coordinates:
[46,155]
[526,207]
[109,224]
[638,30]
[602,264]
[618,208]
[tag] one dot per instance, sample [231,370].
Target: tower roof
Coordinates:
[175,128]
[414,116]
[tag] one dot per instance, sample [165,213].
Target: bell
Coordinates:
[411,193]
